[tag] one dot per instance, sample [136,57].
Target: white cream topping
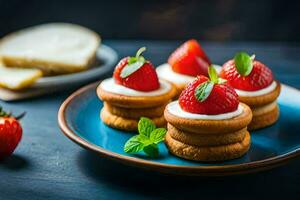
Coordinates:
[165,71]
[175,109]
[109,85]
[263,91]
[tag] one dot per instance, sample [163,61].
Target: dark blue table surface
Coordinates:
[47,165]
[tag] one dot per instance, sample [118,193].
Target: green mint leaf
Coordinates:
[133,63]
[243,63]
[145,126]
[203,90]
[221,80]
[147,139]
[134,145]
[158,135]
[144,139]
[213,75]
[152,150]
[131,68]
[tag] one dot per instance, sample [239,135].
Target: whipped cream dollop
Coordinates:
[109,85]
[175,109]
[263,91]
[165,71]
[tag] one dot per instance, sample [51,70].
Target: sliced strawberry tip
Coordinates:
[189,59]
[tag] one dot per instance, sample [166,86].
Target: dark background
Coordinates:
[214,20]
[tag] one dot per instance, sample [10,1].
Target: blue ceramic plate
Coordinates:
[79,120]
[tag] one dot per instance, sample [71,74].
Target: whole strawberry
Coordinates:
[209,96]
[245,73]
[10,134]
[189,59]
[136,73]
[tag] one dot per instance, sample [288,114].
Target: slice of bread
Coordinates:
[17,79]
[55,48]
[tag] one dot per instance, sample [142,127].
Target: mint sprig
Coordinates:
[147,139]
[243,63]
[203,91]
[134,63]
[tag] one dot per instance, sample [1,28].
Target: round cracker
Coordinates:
[205,139]
[215,153]
[135,113]
[126,124]
[136,101]
[211,126]
[262,99]
[264,120]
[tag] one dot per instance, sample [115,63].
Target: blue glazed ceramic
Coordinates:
[79,119]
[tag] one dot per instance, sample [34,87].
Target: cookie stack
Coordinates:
[264,108]
[124,111]
[208,140]
[134,92]
[256,87]
[208,127]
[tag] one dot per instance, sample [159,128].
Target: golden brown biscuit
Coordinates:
[263,99]
[264,109]
[133,101]
[215,153]
[125,123]
[135,113]
[264,120]
[211,126]
[206,140]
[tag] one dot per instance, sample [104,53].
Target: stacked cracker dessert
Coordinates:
[254,83]
[134,92]
[208,123]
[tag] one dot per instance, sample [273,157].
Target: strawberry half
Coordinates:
[136,73]
[10,134]
[245,73]
[189,59]
[208,96]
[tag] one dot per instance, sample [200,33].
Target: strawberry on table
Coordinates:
[189,59]
[209,96]
[10,133]
[136,73]
[245,73]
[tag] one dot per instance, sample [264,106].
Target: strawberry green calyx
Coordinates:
[4,113]
[243,63]
[9,114]
[134,63]
[203,91]
[213,76]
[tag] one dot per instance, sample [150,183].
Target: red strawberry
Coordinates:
[258,77]
[210,97]
[189,59]
[136,73]
[10,134]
